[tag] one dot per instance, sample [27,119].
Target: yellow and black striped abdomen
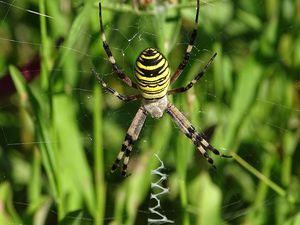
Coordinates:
[152,74]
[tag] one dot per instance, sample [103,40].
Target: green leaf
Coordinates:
[72,218]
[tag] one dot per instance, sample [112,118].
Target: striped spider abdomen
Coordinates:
[152,74]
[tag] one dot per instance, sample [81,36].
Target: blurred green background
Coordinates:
[60,133]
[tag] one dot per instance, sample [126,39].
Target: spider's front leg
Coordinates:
[189,48]
[109,89]
[110,56]
[195,80]
[187,128]
[131,136]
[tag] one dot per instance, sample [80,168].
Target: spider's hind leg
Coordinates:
[126,149]
[208,146]
[187,128]
[131,136]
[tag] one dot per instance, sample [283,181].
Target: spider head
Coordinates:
[152,74]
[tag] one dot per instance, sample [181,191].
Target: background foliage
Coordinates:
[60,134]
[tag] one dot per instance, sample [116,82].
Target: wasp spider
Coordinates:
[153,77]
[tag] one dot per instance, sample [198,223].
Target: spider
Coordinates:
[153,78]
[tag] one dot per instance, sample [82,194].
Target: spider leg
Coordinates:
[189,48]
[109,89]
[187,128]
[198,77]
[131,136]
[111,58]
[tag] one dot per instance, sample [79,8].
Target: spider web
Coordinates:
[127,42]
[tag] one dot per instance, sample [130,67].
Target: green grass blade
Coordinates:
[42,132]
[74,169]
[100,187]
[259,175]
[243,98]
[8,214]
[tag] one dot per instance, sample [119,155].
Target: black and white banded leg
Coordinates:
[109,89]
[111,58]
[131,136]
[195,80]
[187,54]
[199,141]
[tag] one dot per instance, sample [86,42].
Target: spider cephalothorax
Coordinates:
[153,78]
